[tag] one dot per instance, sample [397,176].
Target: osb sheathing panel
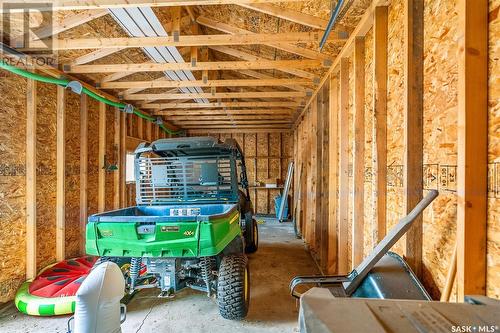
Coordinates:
[395,107]
[93,152]
[440,138]
[12,183]
[111,155]
[493,246]
[72,193]
[46,174]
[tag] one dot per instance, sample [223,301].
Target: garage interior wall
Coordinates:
[310,145]
[439,150]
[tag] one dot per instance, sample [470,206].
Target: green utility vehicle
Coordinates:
[192,224]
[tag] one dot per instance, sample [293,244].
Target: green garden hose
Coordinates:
[64,83]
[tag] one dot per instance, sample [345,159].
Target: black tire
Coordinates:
[251,237]
[233,287]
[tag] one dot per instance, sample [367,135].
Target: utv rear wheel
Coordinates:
[251,237]
[233,287]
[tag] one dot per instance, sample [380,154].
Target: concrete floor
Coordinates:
[280,257]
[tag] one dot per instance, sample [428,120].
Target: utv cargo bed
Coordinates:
[163,231]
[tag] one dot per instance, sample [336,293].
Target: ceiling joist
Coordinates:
[250,94]
[44,5]
[199,66]
[221,104]
[202,83]
[186,40]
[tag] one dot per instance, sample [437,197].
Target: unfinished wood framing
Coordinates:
[413,125]
[31,160]
[333,174]
[61,174]
[84,160]
[380,31]
[122,158]
[101,183]
[358,210]
[343,206]
[117,149]
[472,148]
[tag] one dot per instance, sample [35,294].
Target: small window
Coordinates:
[130,168]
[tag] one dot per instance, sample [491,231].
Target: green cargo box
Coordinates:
[176,231]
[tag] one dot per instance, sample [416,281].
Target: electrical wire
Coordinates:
[64,83]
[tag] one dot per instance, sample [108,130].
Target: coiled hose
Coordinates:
[64,83]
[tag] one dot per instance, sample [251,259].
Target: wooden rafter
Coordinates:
[69,22]
[230,29]
[186,106]
[251,94]
[190,40]
[259,75]
[288,14]
[200,66]
[200,83]
[241,112]
[100,4]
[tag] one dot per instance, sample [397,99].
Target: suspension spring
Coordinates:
[207,264]
[135,268]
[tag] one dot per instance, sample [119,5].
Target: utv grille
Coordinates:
[163,180]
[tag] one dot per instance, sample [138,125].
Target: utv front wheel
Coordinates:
[251,237]
[233,287]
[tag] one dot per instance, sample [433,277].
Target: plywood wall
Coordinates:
[440,140]
[493,236]
[13,173]
[267,156]
[12,184]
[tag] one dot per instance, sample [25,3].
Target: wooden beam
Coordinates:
[69,22]
[123,158]
[235,127]
[234,122]
[100,4]
[140,128]
[233,130]
[84,160]
[288,14]
[164,83]
[200,66]
[250,94]
[472,147]
[215,112]
[189,40]
[230,29]
[413,125]
[148,131]
[94,55]
[175,13]
[101,183]
[195,30]
[333,174]
[343,204]
[117,149]
[219,105]
[31,160]
[230,117]
[358,208]
[61,174]
[380,33]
